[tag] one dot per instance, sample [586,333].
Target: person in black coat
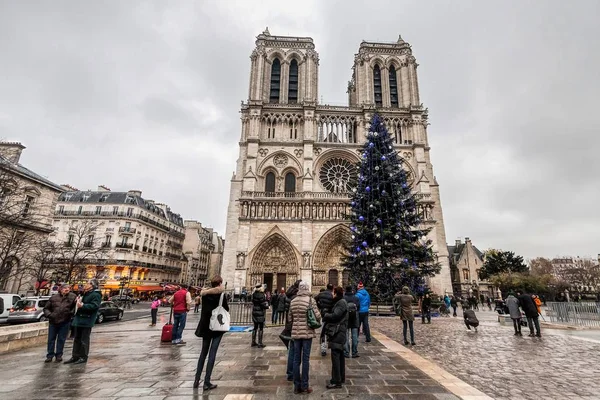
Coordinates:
[336,328]
[290,294]
[259,310]
[274,305]
[426,308]
[324,302]
[529,308]
[210,339]
[353,322]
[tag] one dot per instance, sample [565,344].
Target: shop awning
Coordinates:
[111,287]
[148,288]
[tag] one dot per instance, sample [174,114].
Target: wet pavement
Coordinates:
[128,361]
[560,365]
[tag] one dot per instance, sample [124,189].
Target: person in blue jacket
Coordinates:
[363,312]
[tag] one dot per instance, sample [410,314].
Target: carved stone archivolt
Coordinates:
[274,255]
[332,248]
[280,160]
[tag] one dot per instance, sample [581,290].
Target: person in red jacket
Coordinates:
[181,302]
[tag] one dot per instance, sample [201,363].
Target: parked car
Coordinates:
[109,310]
[29,309]
[7,300]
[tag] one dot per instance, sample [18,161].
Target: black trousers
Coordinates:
[81,344]
[338,367]
[259,326]
[154,313]
[517,324]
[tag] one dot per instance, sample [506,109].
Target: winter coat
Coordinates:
[282,300]
[513,306]
[259,305]
[353,321]
[470,317]
[210,301]
[406,312]
[275,300]
[365,300]
[290,294]
[60,308]
[528,305]
[426,304]
[447,301]
[337,322]
[86,315]
[298,319]
[324,301]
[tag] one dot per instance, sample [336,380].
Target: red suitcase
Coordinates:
[167,330]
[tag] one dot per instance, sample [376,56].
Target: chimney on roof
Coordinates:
[69,188]
[11,151]
[102,188]
[467,240]
[457,243]
[135,193]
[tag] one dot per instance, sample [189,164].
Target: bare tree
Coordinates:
[42,262]
[83,247]
[22,224]
[582,273]
[541,266]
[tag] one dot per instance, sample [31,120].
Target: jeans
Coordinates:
[406,323]
[531,321]
[197,308]
[517,324]
[282,316]
[301,355]
[290,362]
[81,343]
[154,313]
[178,326]
[352,335]
[426,315]
[363,319]
[57,333]
[209,347]
[274,316]
[454,311]
[338,367]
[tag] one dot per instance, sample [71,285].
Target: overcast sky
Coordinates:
[147,96]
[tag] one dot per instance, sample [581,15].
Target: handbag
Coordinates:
[220,318]
[311,318]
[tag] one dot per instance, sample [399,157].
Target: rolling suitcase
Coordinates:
[167,330]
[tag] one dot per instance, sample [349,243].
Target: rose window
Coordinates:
[338,175]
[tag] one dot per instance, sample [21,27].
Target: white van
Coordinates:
[7,300]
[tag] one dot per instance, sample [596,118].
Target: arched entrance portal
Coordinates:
[329,252]
[274,262]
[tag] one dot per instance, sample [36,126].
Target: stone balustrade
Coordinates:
[16,337]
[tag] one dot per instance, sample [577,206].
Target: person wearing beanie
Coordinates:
[363,311]
[302,336]
[259,310]
[405,299]
[512,303]
[85,317]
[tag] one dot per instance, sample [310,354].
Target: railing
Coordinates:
[569,313]
[295,195]
[124,245]
[382,309]
[125,229]
[240,313]
[105,245]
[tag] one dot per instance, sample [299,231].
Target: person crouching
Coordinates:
[470,319]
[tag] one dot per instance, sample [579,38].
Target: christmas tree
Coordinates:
[389,248]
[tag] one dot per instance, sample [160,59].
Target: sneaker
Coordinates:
[48,359]
[538,334]
[346,355]
[182,343]
[308,390]
[413,344]
[58,359]
[334,386]
[355,356]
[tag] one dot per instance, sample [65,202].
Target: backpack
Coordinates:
[220,318]
[352,309]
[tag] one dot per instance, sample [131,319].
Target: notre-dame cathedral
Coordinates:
[289,193]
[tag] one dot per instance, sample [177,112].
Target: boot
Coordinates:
[254,339]
[260,339]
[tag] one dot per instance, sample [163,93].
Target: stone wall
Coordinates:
[16,337]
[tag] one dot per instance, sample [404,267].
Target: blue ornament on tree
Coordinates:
[364,244]
[379,220]
[383,158]
[368,188]
[353,203]
[371,144]
[361,218]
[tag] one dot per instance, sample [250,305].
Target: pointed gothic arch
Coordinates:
[274,256]
[328,254]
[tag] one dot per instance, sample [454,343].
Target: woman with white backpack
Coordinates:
[211,328]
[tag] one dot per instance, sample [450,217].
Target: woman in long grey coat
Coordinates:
[515,313]
[406,313]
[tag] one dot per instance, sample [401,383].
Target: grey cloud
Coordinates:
[147,95]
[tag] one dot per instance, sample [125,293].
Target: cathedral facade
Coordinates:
[297,162]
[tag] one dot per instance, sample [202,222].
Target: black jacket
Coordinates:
[210,301]
[259,305]
[470,316]
[324,301]
[528,305]
[337,324]
[426,304]
[60,308]
[353,321]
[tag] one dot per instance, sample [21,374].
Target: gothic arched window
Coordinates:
[290,182]
[275,81]
[377,85]
[293,83]
[393,87]
[270,182]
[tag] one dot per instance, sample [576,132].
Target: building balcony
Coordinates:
[127,230]
[124,245]
[136,247]
[105,245]
[293,195]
